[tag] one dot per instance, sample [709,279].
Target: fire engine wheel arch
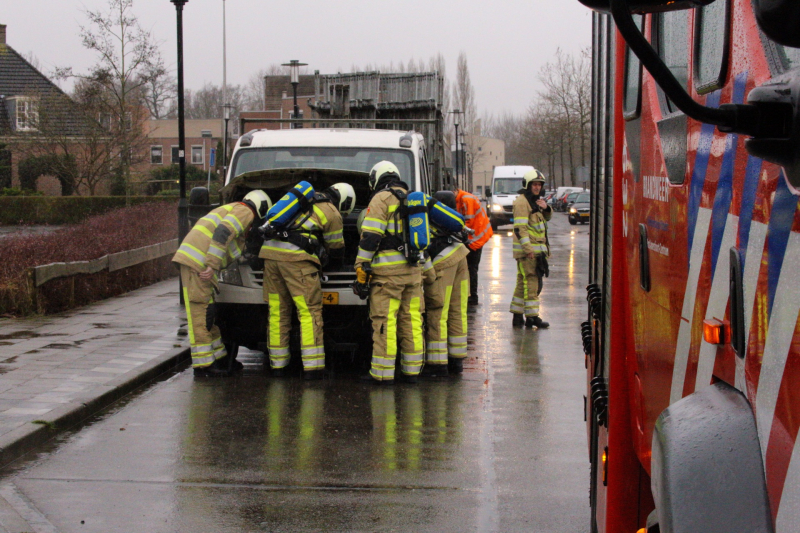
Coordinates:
[706,468]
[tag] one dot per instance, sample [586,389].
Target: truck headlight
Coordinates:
[497,208]
[231,275]
[572,211]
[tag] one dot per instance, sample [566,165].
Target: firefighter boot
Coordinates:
[536,321]
[434,371]
[217,369]
[313,375]
[518,321]
[455,366]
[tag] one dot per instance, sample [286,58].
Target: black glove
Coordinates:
[542,268]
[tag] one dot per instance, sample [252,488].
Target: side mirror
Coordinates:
[647,6]
[779,19]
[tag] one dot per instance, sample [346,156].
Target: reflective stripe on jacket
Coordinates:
[323,220]
[532,228]
[216,239]
[475,218]
[379,221]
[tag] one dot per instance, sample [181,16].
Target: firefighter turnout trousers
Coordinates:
[446,308]
[297,283]
[204,336]
[529,285]
[395,308]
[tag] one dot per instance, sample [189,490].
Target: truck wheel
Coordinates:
[494,224]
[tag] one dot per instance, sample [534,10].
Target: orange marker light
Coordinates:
[643,530]
[605,466]
[715,331]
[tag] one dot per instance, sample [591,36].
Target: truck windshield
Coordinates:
[359,159]
[507,185]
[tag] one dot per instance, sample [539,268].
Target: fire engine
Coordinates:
[692,340]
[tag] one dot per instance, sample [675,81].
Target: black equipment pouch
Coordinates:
[542,267]
[439,244]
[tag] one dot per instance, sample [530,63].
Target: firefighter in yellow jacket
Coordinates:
[212,243]
[446,295]
[531,250]
[395,297]
[292,268]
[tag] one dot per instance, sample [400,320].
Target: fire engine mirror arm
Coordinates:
[730,118]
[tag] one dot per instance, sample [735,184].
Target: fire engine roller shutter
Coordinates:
[706,470]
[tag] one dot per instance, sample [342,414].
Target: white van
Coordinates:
[276,160]
[506,184]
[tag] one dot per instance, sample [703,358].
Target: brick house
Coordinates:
[22,90]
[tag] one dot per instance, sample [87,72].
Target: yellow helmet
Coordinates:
[532,176]
[380,170]
[260,201]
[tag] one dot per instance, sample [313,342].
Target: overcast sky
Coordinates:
[506,42]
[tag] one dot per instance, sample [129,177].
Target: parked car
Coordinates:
[580,210]
[567,200]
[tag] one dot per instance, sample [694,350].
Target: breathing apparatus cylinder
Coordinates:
[286,209]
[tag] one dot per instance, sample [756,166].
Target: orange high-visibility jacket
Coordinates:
[475,218]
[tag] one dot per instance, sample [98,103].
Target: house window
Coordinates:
[175,157]
[197,155]
[27,114]
[156,155]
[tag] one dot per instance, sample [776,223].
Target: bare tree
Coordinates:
[128,58]
[159,92]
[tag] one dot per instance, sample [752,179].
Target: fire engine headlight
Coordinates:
[497,208]
[572,211]
[231,275]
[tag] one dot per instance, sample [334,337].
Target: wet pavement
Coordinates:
[500,448]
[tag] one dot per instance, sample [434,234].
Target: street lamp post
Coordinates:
[227,116]
[294,70]
[464,160]
[183,208]
[456,112]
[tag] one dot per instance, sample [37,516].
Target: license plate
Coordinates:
[330,298]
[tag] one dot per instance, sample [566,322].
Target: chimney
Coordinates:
[2,34]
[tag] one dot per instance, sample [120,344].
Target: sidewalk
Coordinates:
[57,370]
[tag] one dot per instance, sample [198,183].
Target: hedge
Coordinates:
[65,209]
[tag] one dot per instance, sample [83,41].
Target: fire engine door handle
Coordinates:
[644,259]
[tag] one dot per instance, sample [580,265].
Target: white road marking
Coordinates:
[689,295]
[782,323]
[717,300]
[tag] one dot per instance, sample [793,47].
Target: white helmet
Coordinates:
[347,197]
[260,201]
[532,176]
[380,170]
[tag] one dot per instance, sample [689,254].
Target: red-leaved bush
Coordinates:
[115,231]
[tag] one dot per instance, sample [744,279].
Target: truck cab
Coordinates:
[506,184]
[276,160]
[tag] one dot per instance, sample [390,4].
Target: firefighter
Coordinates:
[293,263]
[531,250]
[394,280]
[446,297]
[212,243]
[476,220]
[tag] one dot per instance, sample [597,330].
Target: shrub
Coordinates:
[63,209]
[115,231]
[13,191]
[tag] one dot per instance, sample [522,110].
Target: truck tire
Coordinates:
[494,224]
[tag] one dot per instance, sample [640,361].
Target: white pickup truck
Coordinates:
[276,160]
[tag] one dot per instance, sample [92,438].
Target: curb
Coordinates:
[27,438]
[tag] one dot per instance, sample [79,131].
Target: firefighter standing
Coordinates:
[395,298]
[215,240]
[292,269]
[531,250]
[446,297]
[476,220]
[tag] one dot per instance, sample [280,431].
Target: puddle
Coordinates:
[28,334]
[9,360]
[57,346]
[101,326]
[5,343]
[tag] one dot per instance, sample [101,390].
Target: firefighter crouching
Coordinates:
[446,276]
[481,231]
[531,250]
[212,243]
[292,271]
[386,264]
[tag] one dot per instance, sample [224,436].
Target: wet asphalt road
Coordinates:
[501,448]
